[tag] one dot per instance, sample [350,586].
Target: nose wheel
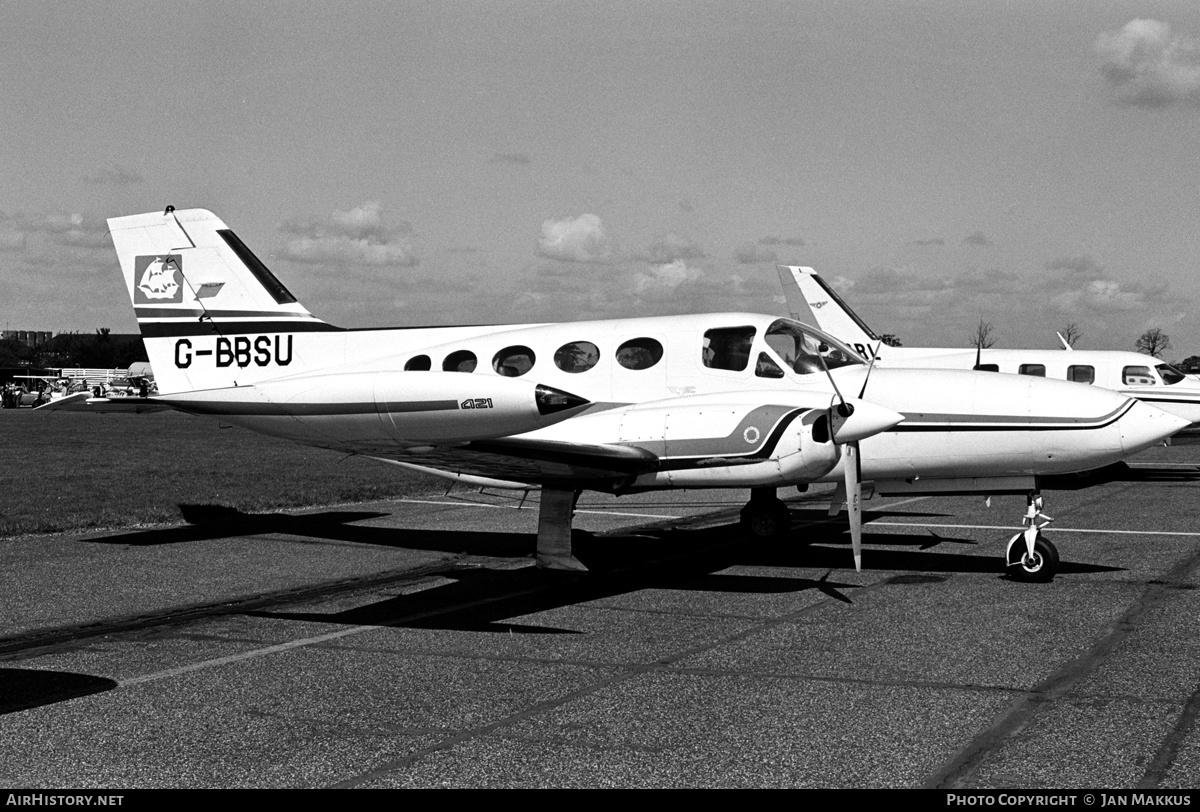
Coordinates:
[1030,557]
[1038,566]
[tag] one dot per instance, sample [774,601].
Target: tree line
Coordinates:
[101,350]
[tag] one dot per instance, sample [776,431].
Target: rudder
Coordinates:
[192,282]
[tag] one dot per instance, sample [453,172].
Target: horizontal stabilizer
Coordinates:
[84,402]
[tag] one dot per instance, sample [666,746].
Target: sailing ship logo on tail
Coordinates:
[157,282]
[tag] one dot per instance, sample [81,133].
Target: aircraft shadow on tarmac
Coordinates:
[484,600]
[211,522]
[25,688]
[628,549]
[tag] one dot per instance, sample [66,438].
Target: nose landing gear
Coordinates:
[1030,557]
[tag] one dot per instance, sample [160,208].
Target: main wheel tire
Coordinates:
[1039,569]
[766,520]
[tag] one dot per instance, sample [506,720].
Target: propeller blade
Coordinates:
[850,466]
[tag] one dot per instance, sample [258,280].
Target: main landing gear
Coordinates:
[1030,557]
[766,517]
[554,550]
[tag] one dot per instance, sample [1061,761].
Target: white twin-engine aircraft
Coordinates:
[1129,373]
[723,400]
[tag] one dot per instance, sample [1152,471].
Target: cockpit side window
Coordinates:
[1037,370]
[1137,376]
[1169,374]
[803,349]
[766,368]
[727,348]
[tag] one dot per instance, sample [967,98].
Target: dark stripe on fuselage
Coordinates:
[175,329]
[1181,399]
[195,313]
[306,409]
[956,423]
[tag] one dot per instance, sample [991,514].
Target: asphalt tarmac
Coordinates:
[413,644]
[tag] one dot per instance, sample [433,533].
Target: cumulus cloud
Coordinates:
[58,228]
[667,276]
[1147,66]
[669,248]
[579,239]
[781,241]
[977,238]
[357,236]
[1099,295]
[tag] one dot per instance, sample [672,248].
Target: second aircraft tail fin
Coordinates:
[803,285]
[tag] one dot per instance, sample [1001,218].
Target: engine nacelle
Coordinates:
[731,439]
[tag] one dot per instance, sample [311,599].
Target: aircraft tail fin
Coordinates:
[803,285]
[200,295]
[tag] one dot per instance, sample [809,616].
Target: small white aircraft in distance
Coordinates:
[1140,376]
[721,400]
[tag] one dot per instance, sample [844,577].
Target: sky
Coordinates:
[1030,164]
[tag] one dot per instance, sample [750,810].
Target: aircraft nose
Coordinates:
[866,420]
[1145,425]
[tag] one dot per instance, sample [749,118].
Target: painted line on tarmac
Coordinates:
[246,655]
[1055,529]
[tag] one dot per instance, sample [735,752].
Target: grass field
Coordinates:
[63,471]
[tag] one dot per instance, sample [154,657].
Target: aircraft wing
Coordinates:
[525,460]
[85,402]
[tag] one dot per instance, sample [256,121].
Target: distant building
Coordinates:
[30,338]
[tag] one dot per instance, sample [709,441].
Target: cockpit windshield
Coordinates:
[1170,374]
[802,348]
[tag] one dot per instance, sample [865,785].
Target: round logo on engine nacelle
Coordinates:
[751,435]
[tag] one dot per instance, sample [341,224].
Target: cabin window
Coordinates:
[459,361]
[513,362]
[418,363]
[987,367]
[727,348]
[1137,376]
[1037,370]
[577,356]
[1081,374]
[1169,374]
[766,368]
[639,353]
